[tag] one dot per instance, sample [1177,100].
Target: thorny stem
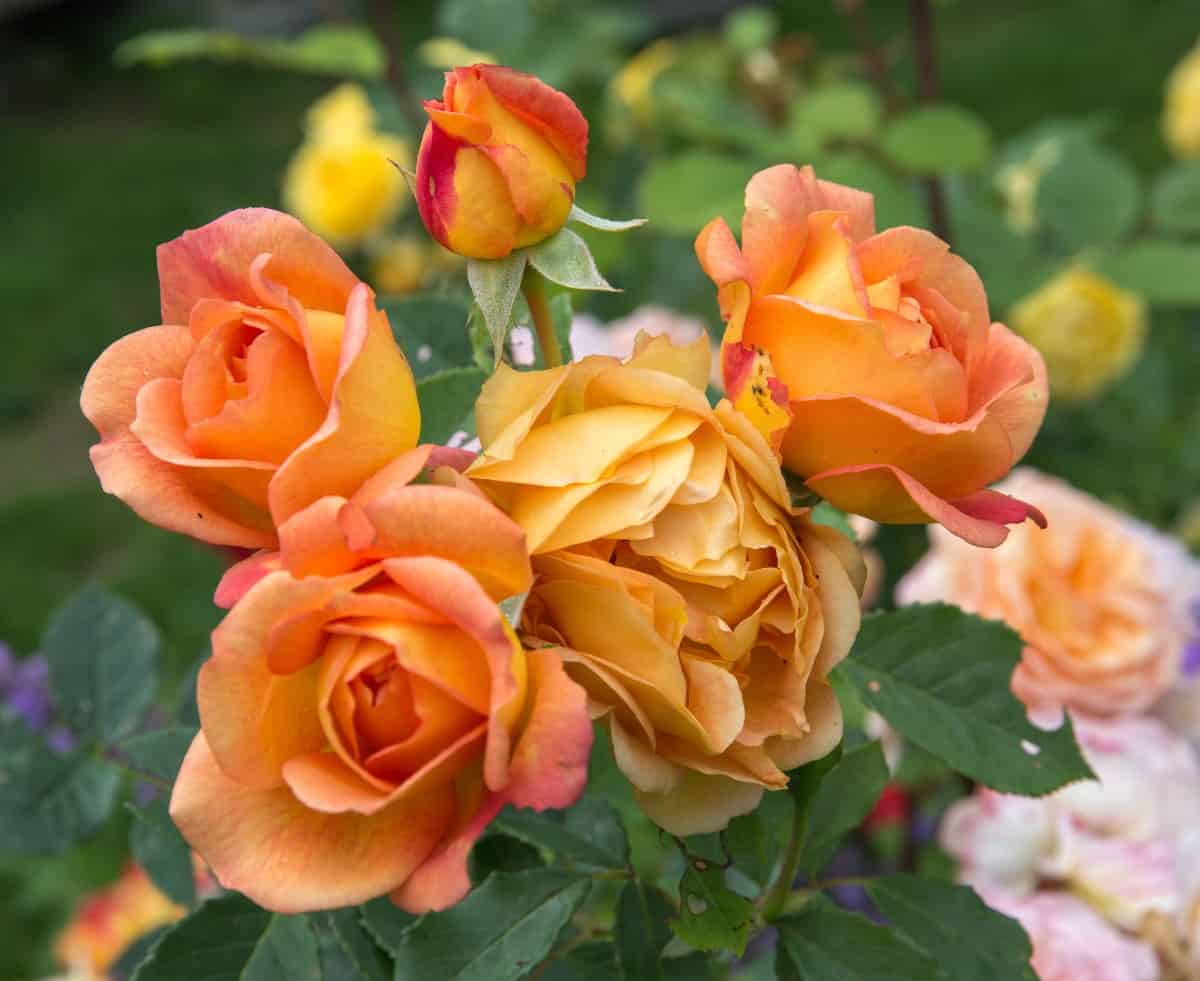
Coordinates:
[925,54]
[776,896]
[543,320]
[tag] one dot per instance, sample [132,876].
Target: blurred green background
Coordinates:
[100,164]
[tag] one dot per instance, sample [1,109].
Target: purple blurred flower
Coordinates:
[25,691]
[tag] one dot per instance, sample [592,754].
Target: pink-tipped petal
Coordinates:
[289,858]
[214,262]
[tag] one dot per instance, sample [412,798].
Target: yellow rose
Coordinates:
[401,265]
[1089,332]
[342,182]
[1181,110]
[700,611]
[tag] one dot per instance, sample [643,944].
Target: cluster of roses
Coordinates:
[375,695]
[1105,876]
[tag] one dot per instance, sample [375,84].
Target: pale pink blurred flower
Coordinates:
[1102,601]
[1071,942]
[1115,843]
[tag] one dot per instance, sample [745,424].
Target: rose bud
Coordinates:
[498,162]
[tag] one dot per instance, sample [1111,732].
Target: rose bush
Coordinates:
[499,161]
[872,358]
[1103,602]
[272,381]
[367,709]
[700,611]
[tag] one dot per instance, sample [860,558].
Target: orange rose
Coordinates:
[701,613]
[872,358]
[1101,601]
[272,381]
[498,162]
[367,709]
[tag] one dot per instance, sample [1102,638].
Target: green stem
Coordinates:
[543,321]
[776,896]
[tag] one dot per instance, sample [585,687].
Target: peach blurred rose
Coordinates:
[367,709]
[1117,842]
[499,160]
[1100,599]
[872,357]
[701,612]
[1072,943]
[272,382]
[108,920]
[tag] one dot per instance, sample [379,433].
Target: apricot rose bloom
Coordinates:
[499,161]
[701,613]
[871,358]
[272,381]
[367,709]
[1103,602]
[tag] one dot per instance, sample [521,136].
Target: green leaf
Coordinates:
[939,139]
[804,781]
[1175,198]
[48,801]
[432,330]
[941,678]
[603,224]
[841,110]
[448,403]
[1089,197]
[842,800]
[588,834]
[231,939]
[160,849]
[496,852]
[369,962]
[386,922]
[938,916]
[824,513]
[562,313]
[1165,273]
[824,943]
[158,753]
[103,656]
[697,966]
[641,931]
[330,49]
[750,28]
[499,932]
[594,960]
[495,284]
[751,846]
[564,258]
[682,193]
[711,915]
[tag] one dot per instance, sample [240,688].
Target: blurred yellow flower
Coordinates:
[109,920]
[341,182]
[632,84]
[449,52]
[1181,111]
[1088,330]
[401,265]
[343,116]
